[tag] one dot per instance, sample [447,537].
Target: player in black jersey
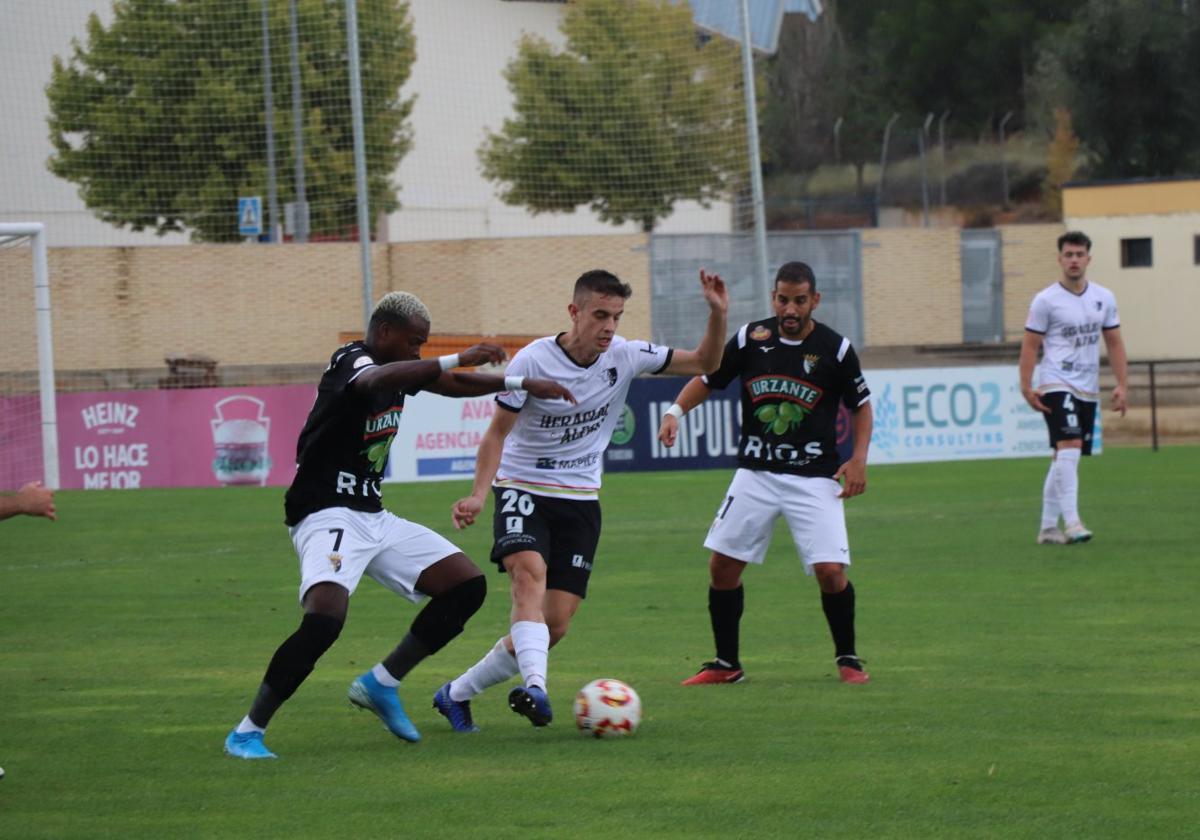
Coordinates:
[334,512]
[795,373]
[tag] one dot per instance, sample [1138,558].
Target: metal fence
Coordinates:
[676,259]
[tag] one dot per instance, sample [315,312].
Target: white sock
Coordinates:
[496,667]
[531,640]
[385,679]
[1066,481]
[248,725]
[1050,507]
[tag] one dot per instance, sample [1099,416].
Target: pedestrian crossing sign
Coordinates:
[250,215]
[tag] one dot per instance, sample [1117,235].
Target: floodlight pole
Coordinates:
[300,233]
[360,160]
[269,107]
[756,184]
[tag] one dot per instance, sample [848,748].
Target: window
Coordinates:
[1196,250]
[1136,253]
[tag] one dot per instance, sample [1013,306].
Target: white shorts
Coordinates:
[810,505]
[340,545]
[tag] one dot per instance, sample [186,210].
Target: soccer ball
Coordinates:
[607,709]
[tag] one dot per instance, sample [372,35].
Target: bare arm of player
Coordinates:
[455,384]
[32,500]
[419,373]
[853,473]
[707,356]
[693,393]
[1120,365]
[487,461]
[1030,344]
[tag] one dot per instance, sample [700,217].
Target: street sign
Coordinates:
[250,220]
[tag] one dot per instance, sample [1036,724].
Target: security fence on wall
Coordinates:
[676,260]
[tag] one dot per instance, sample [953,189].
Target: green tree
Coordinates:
[1130,71]
[159,117]
[635,114]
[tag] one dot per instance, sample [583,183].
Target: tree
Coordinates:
[160,119]
[1131,75]
[635,114]
[1061,161]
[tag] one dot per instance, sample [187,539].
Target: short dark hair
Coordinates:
[602,283]
[1075,237]
[796,272]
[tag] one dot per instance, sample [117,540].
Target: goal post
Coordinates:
[34,233]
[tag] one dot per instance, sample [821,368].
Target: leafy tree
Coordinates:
[1062,157]
[159,117]
[635,114]
[1131,74]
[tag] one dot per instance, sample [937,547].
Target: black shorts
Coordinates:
[1070,418]
[564,531]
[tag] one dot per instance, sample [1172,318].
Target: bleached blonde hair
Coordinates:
[401,305]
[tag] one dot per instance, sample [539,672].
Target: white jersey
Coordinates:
[555,448]
[1070,325]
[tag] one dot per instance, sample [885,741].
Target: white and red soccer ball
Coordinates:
[607,708]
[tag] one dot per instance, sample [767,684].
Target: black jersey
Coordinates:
[343,447]
[790,396]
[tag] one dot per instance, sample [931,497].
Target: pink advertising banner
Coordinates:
[205,437]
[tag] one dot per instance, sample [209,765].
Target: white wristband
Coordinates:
[448,362]
[676,411]
[514,383]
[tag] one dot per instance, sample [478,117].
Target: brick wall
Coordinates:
[1030,254]
[286,305]
[912,286]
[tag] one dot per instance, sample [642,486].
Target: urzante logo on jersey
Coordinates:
[379,431]
[799,399]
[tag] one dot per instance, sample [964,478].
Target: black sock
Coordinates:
[405,657]
[292,663]
[440,621]
[839,612]
[725,611]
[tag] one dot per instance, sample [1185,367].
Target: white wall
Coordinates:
[1158,305]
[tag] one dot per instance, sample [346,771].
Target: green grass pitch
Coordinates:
[1018,691]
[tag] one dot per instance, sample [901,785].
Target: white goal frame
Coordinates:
[36,233]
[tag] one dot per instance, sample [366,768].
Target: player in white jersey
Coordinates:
[1066,320]
[542,463]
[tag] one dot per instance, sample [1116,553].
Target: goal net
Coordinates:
[28,417]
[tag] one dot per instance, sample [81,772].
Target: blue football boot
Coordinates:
[531,702]
[458,712]
[247,745]
[366,693]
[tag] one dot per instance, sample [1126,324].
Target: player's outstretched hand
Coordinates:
[548,389]
[36,500]
[668,429]
[1035,401]
[1118,400]
[853,475]
[714,290]
[464,511]
[482,354]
